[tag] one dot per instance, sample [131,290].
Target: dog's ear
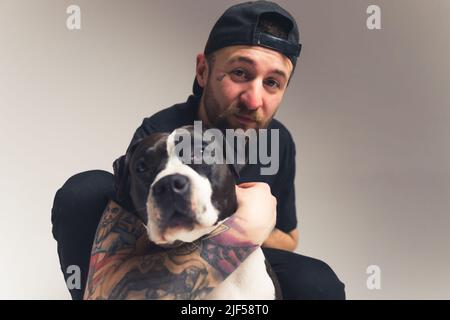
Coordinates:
[122,172]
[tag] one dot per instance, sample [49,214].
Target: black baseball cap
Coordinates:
[239,25]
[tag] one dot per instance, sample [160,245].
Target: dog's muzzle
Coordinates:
[172,194]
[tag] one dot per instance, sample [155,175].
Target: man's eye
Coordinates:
[239,73]
[273,83]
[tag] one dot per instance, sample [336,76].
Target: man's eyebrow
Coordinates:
[241,59]
[251,62]
[281,73]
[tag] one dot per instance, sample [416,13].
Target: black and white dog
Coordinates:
[181,201]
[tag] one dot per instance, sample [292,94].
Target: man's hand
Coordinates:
[256,209]
[255,199]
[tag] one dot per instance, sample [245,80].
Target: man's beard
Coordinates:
[220,118]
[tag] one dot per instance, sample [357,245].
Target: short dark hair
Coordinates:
[274,24]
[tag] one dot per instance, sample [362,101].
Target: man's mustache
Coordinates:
[242,110]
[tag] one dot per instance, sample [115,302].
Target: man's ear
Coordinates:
[201,70]
[122,173]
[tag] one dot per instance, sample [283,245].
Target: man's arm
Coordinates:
[282,240]
[284,189]
[123,265]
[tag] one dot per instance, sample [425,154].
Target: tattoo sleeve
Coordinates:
[126,265]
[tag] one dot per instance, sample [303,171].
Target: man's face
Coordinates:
[245,86]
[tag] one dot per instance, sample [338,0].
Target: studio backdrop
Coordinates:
[368,108]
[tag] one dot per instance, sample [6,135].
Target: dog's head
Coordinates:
[178,200]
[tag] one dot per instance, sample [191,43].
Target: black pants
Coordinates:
[78,207]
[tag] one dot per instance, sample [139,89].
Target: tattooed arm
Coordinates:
[125,265]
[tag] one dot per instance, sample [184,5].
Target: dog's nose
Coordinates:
[176,183]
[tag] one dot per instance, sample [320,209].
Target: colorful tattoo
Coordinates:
[126,265]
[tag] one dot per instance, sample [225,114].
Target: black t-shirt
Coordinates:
[281,184]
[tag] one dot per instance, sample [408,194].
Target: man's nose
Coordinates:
[252,96]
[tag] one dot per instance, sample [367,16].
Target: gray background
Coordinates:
[369,111]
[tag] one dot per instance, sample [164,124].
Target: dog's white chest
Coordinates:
[250,281]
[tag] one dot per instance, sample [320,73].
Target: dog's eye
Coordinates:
[141,167]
